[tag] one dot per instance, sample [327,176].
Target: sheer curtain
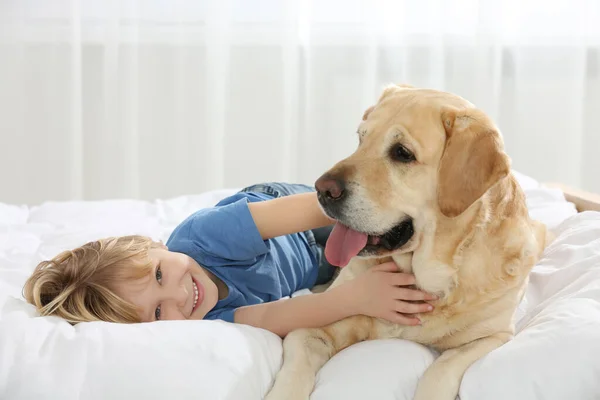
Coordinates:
[154,98]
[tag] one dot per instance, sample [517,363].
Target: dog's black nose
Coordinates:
[330,187]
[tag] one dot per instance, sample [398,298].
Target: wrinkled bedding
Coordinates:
[555,354]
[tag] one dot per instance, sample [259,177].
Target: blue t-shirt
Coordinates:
[225,240]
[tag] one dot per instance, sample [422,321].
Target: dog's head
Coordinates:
[422,154]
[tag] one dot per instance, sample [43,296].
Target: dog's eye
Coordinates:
[402,154]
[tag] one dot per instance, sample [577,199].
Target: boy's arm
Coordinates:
[380,292]
[308,311]
[289,214]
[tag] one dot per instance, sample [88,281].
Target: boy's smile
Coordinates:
[176,289]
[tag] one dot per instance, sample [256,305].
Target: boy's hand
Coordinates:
[379,293]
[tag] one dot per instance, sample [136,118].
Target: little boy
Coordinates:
[230,262]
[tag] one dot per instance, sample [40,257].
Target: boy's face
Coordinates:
[177,288]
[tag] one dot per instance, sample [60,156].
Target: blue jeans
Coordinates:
[316,237]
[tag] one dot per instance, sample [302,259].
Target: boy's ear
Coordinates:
[162,245]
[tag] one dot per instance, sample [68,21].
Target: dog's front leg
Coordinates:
[305,351]
[441,381]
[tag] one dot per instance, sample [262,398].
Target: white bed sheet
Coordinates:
[555,354]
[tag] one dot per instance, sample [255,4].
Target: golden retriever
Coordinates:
[431,187]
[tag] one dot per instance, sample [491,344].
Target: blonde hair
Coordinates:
[78,285]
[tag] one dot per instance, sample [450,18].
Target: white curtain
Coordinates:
[155,98]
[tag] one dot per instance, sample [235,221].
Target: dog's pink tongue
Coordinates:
[343,244]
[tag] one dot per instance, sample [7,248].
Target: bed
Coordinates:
[554,355]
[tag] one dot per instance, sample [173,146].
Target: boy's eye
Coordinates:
[158,274]
[157,313]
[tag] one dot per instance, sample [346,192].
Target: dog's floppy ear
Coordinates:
[473,160]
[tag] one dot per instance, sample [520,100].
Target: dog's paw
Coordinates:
[433,386]
[283,392]
[278,393]
[434,394]
[288,386]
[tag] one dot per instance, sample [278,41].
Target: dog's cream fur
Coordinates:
[474,243]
